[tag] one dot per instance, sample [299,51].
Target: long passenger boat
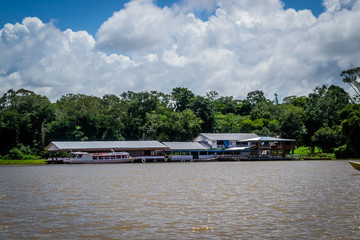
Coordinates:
[109,157]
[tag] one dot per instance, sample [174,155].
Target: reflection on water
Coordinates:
[230,200]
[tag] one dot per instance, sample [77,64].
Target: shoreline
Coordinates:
[43,161]
[22,162]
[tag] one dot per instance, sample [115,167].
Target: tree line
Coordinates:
[328,118]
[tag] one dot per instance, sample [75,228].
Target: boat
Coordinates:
[355,165]
[108,157]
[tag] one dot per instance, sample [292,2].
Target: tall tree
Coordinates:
[182,98]
[78,117]
[204,109]
[292,123]
[256,97]
[352,76]
[351,129]
[22,115]
[137,106]
[323,109]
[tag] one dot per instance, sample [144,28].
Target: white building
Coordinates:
[224,140]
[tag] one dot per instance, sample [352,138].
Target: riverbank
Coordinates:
[22,162]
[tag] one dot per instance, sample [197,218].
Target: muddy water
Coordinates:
[221,200]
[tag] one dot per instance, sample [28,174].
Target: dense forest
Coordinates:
[328,118]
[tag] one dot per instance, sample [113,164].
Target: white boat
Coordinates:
[109,157]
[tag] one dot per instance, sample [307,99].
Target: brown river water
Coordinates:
[219,200]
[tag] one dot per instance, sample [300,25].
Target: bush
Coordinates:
[21,152]
[343,152]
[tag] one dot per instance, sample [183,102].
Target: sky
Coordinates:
[230,46]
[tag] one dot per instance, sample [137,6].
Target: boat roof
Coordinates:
[68,146]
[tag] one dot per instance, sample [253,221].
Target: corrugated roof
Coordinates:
[228,136]
[185,146]
[103,145]
[268,139]
[237,148]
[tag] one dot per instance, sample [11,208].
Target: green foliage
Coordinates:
[351,76]
[323,109]
[303,152]
[324,119]
[327,139]
[182,98]
[343,152]
[226,105]
[255,97]
[229,123]
[21,152]
[292,122]
[351,129]
[204,109]
[22,114]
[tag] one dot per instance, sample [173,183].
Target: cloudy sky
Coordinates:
[230,46]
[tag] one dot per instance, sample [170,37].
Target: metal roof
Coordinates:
[185,146]
[268,139]
[237,148]
[104,145]
[228,136]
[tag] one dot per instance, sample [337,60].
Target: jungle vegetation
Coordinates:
[327,119]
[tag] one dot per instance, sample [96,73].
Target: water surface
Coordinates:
[220,200]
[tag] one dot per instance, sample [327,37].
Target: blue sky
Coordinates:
[233,47]
[90,14]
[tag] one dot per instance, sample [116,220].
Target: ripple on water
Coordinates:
[242,200]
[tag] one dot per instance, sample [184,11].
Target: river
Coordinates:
[219,200]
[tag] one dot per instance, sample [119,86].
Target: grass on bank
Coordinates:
[22,162]
[305,152]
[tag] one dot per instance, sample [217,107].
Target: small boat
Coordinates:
[355,165]
[109,157]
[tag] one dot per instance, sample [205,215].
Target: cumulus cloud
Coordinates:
[242,46]
[141,25]
[336,5]
[40,57]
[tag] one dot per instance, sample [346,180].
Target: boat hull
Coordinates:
[99,161]
[355,165]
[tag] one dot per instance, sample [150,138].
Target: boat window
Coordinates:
[101,157]
[112,157]
[79,156]
[95,158]
[106,157]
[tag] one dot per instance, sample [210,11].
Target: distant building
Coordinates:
[178,151]
[246,145]
[236,146]
[224,140]
[135,148]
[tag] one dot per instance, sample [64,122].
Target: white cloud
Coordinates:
[141,25]
[336,5]
[245,45]
[39,57]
